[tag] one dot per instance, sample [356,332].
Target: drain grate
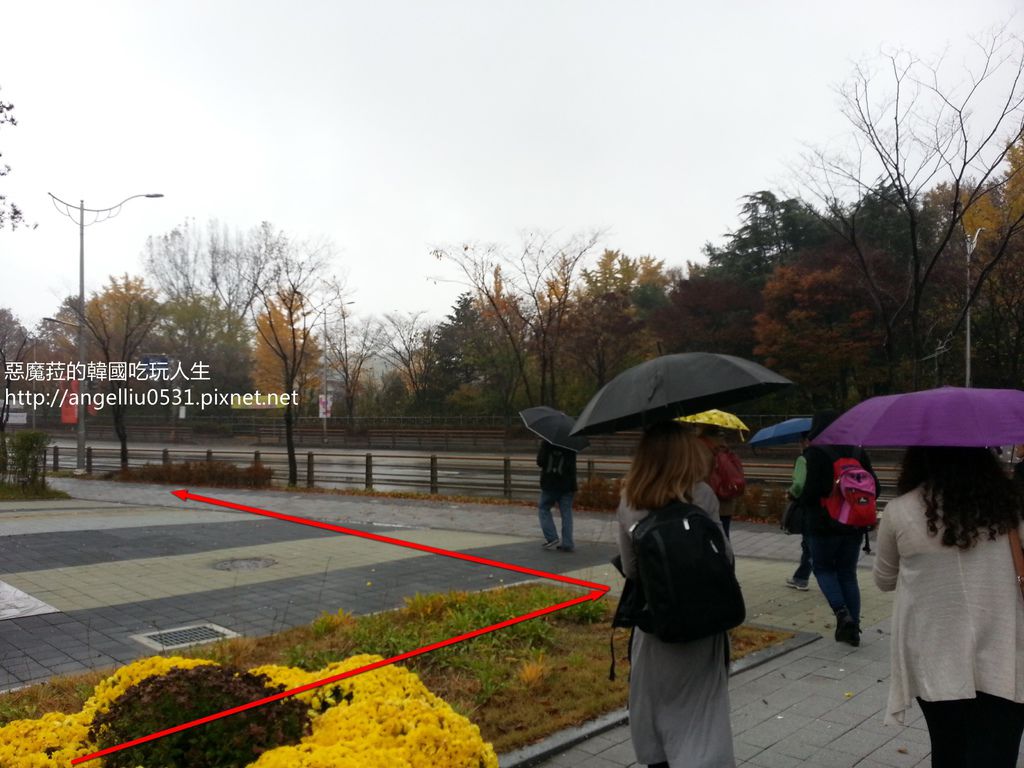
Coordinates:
[182,637]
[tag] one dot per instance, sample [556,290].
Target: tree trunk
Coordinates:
[122,433]
[289,441]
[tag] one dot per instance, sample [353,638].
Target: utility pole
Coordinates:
[971,243]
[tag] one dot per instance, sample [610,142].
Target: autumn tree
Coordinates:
[118,321]
[707,313]
[266,361]
[529,293]
[815,329]
[997,293]
[998,325]
[915,126]
[284,315]
[605,326]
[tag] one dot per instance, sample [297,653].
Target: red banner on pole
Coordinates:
[68,408]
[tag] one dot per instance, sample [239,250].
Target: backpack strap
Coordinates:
[629,651]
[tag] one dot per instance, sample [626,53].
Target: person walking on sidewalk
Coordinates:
[802,575]
[726,478]
[557,486]
[958,616]
[834,547]
[678,692]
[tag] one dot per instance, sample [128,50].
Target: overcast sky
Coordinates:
[394,127]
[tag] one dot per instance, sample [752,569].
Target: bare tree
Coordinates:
[529,294]
[916,133]
[10,213]
[351,345]
[407,343]
[191,262]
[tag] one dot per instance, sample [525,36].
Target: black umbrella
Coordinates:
[674,385]
[553,426]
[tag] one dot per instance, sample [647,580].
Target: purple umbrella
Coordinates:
[949,416]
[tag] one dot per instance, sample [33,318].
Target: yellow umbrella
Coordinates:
[717,418]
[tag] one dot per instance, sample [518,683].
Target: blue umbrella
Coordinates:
[788,431]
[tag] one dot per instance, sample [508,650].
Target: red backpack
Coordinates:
[853,500]
[726,479]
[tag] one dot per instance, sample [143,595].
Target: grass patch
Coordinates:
[29,493]
[519,684]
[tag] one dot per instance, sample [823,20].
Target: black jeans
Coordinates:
[970,733]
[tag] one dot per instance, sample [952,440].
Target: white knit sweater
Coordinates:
[958,617]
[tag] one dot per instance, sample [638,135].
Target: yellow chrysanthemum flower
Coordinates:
[377,719]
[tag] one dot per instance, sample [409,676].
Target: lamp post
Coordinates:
[98,214]
[971,243]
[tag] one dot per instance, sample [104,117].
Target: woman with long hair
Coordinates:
[678,692]
[958,616]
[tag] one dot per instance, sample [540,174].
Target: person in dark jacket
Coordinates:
[557,486]
[834,547]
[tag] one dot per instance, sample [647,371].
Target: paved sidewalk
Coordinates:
[82,580]
[818,706]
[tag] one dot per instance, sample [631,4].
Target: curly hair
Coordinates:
[965,491]
[668,462]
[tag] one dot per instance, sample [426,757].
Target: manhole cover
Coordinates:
[245,563]
[182,637]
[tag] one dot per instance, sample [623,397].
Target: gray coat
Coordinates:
[678,692]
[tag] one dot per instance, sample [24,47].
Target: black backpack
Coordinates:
[687,579]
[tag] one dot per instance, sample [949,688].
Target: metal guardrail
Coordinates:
[510,477]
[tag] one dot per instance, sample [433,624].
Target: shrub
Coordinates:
[775,503]
[200,473]
[24,460]
[212,428]
[599,493]
[183,695]
[749,504]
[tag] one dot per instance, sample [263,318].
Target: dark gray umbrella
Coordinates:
[554,426]
[674,385]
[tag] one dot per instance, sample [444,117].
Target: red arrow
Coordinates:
[186,495]
[596,592]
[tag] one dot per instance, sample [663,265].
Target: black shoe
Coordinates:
[847,630]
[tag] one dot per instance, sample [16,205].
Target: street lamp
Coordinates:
[971,243]
[98,214]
